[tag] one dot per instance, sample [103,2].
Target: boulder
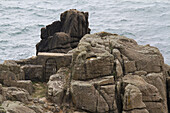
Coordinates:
[129,66]
[75,23]
[96,95]
[61,36]
[25,84]
[132,98]
[58,43]
[168,91]
[10,73]
[16,107]
[158,80]
[33,72]
[151,95]
[93,67]
[86,97]
[149,92]
[36,108]
[104,54]
[16,94]
[58,85]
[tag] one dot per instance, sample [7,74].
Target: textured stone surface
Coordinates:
[16,107]
[58,85]
[25,84]
[33,72]
[16,94]
[10,73]
[149,92]
[132,98]
[105,54]
[62,36]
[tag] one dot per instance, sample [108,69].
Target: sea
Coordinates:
[146,21]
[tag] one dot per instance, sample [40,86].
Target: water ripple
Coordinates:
[146,21]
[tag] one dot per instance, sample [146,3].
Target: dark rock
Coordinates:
[50,29]
[59,43]
[74,25]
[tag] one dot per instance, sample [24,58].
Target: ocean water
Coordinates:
[146,21]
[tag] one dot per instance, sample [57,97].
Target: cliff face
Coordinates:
[112,73]
[104,73]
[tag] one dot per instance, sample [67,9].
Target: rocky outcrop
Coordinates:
[111,73]
[9,74]
[16,107]
[132,100]
[58,86]
[61,36]
[33,72]
[101,73]
[16,94]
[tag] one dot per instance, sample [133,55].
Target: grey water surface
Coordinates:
[146,21]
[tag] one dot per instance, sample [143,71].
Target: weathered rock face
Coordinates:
[168,91]
[16,94]
[10,74]
[33,72]
[16,107]
[112,73]
[133,99]
[62,36]
[58,86]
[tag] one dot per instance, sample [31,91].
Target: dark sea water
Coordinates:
[146,21]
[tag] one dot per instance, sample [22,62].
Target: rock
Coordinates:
[119,71]
[33,72]
[25,84]
[75,23]
[155,107]
[132,98]
[105,54]
[140,73]
[137,111]
[168,91]
[9,74]
[157,80]
[149,92]
[167,69]
[62,36]
[36,108]
[93,67]
[50,30]
[85,97]
[16,107]
[8,78]
[79,112]
[30,61]
[42,100]
[58,86]
[129,66]
[97,95]
[16,94]
[58,43]
[117,55]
